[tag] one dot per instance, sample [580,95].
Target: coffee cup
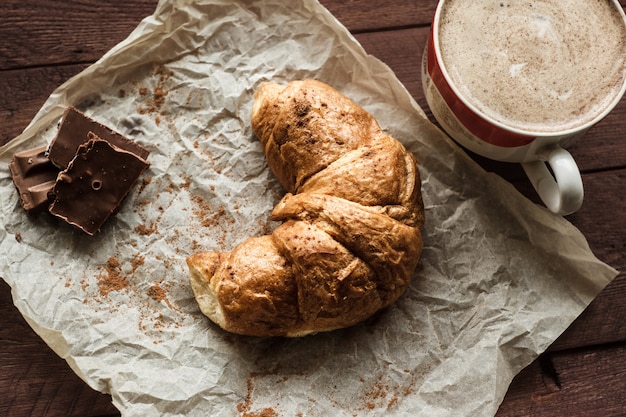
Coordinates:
[518,81]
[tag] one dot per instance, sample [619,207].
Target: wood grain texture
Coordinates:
[64,31]
[23,92]
[583,382]
[43,43]
[368,16]
[602,322]
[33,380]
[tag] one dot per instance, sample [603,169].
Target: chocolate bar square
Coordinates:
[95,183]
[72,133]
[34,177]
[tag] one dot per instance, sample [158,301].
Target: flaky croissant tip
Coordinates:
[202,267]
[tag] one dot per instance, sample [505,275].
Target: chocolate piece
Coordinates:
[100,167]
[94,184]
[34,176]
[73,131]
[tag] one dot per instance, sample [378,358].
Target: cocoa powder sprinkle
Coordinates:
[112,279]
[157,293]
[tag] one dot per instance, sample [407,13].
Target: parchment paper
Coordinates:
[500,278]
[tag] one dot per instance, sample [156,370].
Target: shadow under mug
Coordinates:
[550,168]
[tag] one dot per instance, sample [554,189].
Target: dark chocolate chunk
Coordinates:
[94,184]
[73,131]
[34,177]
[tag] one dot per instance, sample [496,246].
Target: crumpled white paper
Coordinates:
[500,278]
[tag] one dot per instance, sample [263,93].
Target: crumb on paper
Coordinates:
[144,230]
[112,278]
[380,392]
[154,101]
[245,406]
[144,183]
[118,283]
[137,260]
[157,293]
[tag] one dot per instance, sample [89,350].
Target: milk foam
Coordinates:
[541,66]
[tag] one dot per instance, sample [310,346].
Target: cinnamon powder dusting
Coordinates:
[112,279]
[146,230]
[157,293]
[378,393]
[137,261]
[119,282]
[245,406]
[208,216]
[154,100]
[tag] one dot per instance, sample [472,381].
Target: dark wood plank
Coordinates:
[601,323]
[41,32]
[584,382]
[601,218]
[72,31]
[34,381]
[23,92]
[402,51]
[367,16]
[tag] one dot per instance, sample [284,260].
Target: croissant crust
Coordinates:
[350,233]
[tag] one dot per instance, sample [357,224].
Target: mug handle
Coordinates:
[562,192]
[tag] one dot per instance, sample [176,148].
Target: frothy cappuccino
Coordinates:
[539,66]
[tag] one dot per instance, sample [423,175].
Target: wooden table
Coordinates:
[44,42]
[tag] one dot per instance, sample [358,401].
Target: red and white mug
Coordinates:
[550,168]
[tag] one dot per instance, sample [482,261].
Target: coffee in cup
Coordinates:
[517,81]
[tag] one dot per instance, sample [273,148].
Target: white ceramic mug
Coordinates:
[550,168]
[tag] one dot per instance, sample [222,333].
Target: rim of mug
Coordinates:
[531,133]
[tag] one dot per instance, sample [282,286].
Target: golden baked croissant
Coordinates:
[350,236]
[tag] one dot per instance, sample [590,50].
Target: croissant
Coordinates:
[350,237]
